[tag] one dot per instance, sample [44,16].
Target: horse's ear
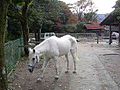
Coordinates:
[30,50]
[33,50]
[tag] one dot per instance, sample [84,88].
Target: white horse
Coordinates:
[52,48]
[116,34]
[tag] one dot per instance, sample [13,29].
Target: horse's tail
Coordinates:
[73,41]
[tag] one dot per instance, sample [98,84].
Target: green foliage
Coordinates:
[43,15]
[35,18]
[116,13]
[91,16]
[65,18]
[13,29]
[118,3]
[14,17]
[80,27]
[69,28]
[64,12]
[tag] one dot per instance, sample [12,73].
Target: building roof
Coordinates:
[94,26]
[110,20]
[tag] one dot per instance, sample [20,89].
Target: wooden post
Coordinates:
[38,35]
[97,37]
[110,36]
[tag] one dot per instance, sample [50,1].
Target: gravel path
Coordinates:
[93,73]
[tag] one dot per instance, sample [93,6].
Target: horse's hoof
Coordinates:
[39,80]
[56,77]
[74,72]
[67,71]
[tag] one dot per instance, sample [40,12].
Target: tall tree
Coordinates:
[116,15]
[117,10]
[91,16]
[65,12]
[44,14]
[24,23]
[72,19]
[82,6]
[19,10]
[65,17]
[3,13]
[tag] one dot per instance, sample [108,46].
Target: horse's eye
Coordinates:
[33,59]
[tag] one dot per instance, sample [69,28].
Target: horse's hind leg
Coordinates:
[55,61]
[74,59]
[66,56]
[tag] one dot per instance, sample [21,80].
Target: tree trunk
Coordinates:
[3,13]
[25,29]
[119,36]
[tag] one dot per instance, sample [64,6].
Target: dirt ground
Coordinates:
[97,69]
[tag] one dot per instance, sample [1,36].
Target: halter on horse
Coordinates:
[52,48]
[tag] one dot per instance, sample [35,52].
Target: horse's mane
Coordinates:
[43,43]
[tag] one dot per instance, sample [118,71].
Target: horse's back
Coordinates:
[69,43]
[72,39]
[58,46]
[61,45]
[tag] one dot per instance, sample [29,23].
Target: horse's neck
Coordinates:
[42,47]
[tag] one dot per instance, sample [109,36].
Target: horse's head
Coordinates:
[113,33]
[33,59]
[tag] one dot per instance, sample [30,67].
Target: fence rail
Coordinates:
[80,36]
[13,53]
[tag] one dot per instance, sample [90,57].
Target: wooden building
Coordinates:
[94,28]
[114,25]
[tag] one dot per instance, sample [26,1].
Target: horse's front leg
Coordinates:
[66,56]
[55,62]
[43,69]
